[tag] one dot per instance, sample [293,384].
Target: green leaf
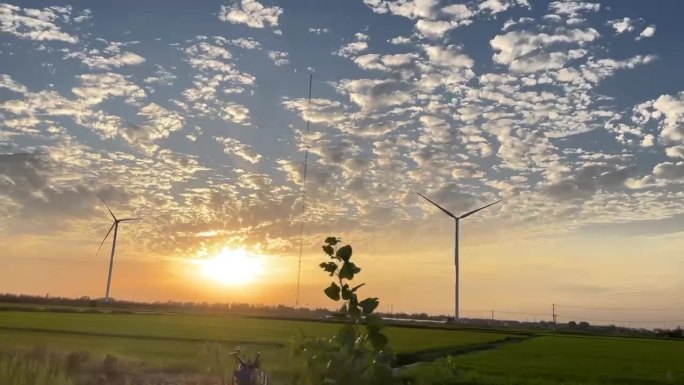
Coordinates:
[333,292]
[329,267]
[344,253]
[374,323]
[368,305]
[328,250]
[378,340]
[346,293]
[346,336]
[357,287]
[354,310]
[332,241]
[348,270]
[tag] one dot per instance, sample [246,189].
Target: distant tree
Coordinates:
[572,325]
[584,325]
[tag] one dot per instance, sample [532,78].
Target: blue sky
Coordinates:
[191,114]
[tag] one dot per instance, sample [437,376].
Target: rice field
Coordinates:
[179,340]
[554,359]
[190,343]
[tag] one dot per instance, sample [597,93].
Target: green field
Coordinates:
[172,340]
[183,342]
[553,359]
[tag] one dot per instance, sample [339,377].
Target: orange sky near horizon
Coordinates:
[415,275]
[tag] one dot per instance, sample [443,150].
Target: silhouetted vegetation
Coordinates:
[359,353]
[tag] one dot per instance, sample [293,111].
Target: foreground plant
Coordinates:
[359,353]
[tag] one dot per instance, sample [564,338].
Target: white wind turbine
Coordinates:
[115,226]
[456,241]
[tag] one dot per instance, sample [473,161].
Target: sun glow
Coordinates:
[233,267]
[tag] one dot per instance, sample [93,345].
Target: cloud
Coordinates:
[236,113]
[35,24]
[407,8]
[279,58]
[497,6]
[434,28]
[647,32]
[115,61]
[216,71]
[588,180]
[8,83]
[573,9]
[399,40]
[669,110]
[161,77]
[318,110]
[246,43]
[95,88]
[622,25]
[372,94]
[359,45]
[669,170]
[250,12]
[514,48]
[449,56]
[233,146]
[675,152]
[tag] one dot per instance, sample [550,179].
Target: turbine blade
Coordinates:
[105,238]
[476,210]
[439,207]
[130,219]
[105,203]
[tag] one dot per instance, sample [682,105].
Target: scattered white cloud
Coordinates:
[279,58]
[622,25]
[669,170]
[399,40]
[161,77]
[573,9]
[246,43]
[250,12]
[35,24]
[233,146]
[236,113]
[7,82]
[647,32]
[95,88]
[113,61]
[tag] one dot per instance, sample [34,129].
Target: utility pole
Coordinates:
[492,315]
[555,324]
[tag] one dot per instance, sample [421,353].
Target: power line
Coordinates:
[301,219]
[521,313]
[571,317]
[619,308]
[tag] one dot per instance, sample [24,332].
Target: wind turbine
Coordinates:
[115,226]
[456,241]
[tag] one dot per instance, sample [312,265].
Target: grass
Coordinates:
[569,360]
[180,343]
[179,340]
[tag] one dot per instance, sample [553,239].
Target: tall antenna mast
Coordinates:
[301,218]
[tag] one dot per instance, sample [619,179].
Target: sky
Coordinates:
[193,116]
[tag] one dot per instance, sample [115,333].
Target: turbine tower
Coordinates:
[456,241]
[115,226]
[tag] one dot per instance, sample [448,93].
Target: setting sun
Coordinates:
[234,267]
